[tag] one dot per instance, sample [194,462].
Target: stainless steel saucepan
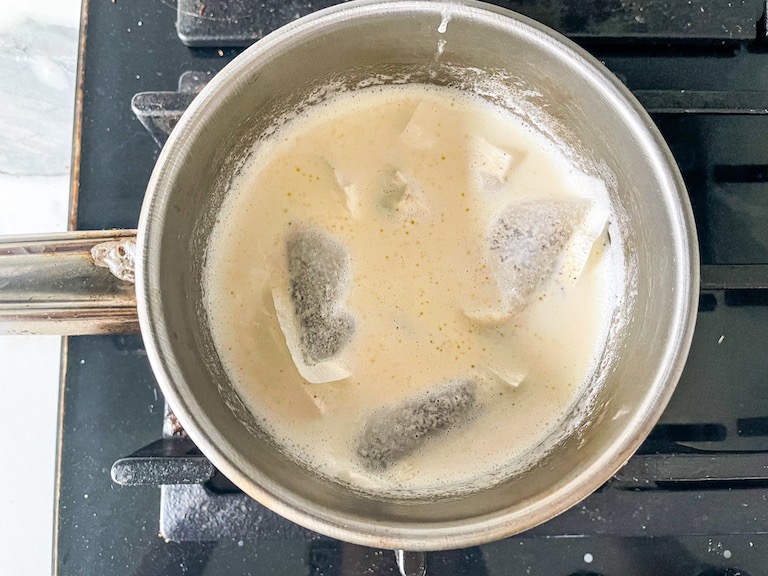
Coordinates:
[50,284]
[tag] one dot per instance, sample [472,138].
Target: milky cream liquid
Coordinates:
[417,270]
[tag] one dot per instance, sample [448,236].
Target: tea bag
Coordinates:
[349,190]
[396,431]
[403,195]
[589,229]
[319,327]
[490,165]
[503,376]
[522,248]
[421,131]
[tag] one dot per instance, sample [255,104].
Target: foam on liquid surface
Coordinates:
[410,180]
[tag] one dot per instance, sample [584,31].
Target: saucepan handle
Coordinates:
[411,563]
[68,283]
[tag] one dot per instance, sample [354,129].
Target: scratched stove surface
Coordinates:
[654,519]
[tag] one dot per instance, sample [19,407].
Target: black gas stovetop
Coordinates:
[693,501]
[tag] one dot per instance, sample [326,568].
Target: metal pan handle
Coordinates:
[68,283]
[411,563]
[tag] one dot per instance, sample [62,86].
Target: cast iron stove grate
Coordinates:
[680,489]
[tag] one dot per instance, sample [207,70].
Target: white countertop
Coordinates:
[38,60]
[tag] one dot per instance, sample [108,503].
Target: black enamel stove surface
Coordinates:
[693,502]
